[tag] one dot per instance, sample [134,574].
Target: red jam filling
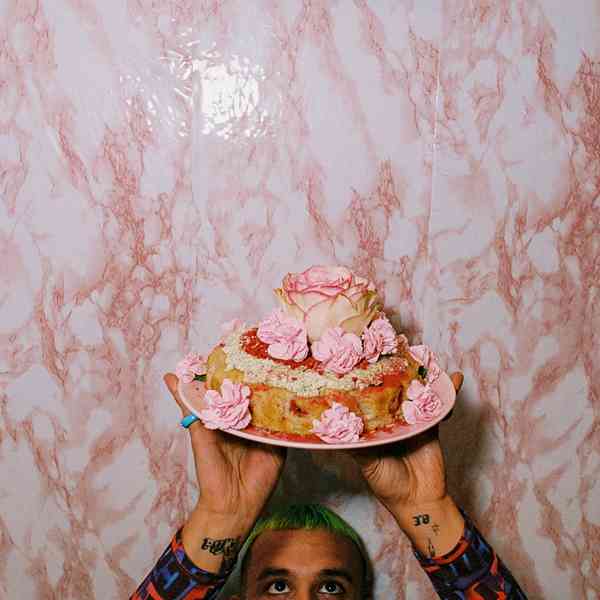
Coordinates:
[255,347]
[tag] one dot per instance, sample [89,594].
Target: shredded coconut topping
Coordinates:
[301,380]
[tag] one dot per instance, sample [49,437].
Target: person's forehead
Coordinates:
[304,550]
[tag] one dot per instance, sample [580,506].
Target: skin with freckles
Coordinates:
[303,565]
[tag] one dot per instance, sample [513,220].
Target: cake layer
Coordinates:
[245,352]
[280,409]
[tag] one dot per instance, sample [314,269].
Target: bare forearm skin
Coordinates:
[434,528]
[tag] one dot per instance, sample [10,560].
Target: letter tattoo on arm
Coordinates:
[228,547]
[425,519]
[421,519]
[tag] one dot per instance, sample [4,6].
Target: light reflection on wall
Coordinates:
[229,96]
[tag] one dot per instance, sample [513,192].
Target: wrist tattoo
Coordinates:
[430,548]
[421,519]
[228,547]
[436,529]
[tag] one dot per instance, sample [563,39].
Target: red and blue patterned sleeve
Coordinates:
[176,577]
[471,571]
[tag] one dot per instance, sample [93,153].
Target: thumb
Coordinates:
[457,380]
[202,438]
[172,382]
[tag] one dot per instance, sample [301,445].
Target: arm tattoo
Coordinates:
[228,547]
[436,529]
[430,548]
[421,519]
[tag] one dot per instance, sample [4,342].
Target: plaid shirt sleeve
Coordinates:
[471,571]
[176,577]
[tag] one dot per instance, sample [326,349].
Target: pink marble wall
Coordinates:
[162,164]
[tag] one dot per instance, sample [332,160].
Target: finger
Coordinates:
[457,380]
[171,381]
[205,442]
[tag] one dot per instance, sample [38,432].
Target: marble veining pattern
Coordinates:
[163,164]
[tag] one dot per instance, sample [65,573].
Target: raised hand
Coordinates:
[409,478]
[235,478]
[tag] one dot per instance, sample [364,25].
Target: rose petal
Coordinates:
[326,297]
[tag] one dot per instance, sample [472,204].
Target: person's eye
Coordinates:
[278,587]
[331,587]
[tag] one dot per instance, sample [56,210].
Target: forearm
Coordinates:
[455,555]
[213,534]
[212,541]
[175,576]
[199,559]
[434,528]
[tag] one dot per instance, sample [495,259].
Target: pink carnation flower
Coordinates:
[228,410]
[379,338]
[190,366]
[424,406]
[285,335]
[339,352]
[427,358]
[338,425]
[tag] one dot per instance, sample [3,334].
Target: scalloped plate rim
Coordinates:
[443,386]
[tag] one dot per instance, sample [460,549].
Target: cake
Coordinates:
[326,363]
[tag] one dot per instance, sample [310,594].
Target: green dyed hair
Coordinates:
[307,517]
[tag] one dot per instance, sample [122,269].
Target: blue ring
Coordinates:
[187,421]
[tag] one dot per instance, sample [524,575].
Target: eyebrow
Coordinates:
[274,572]
[342,573]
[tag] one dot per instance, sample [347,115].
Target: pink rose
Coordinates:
[379,338]
[338,425]
[424,405]
[339,352]
[427,358]
[228,410]
[190,366]
[286,337]
[326,297]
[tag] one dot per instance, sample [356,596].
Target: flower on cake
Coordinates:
[285,336]
[424,405]
[339,351]
[427,358]
[338,425]
[379,338]
[229,409]
[190,366]
[326,297]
